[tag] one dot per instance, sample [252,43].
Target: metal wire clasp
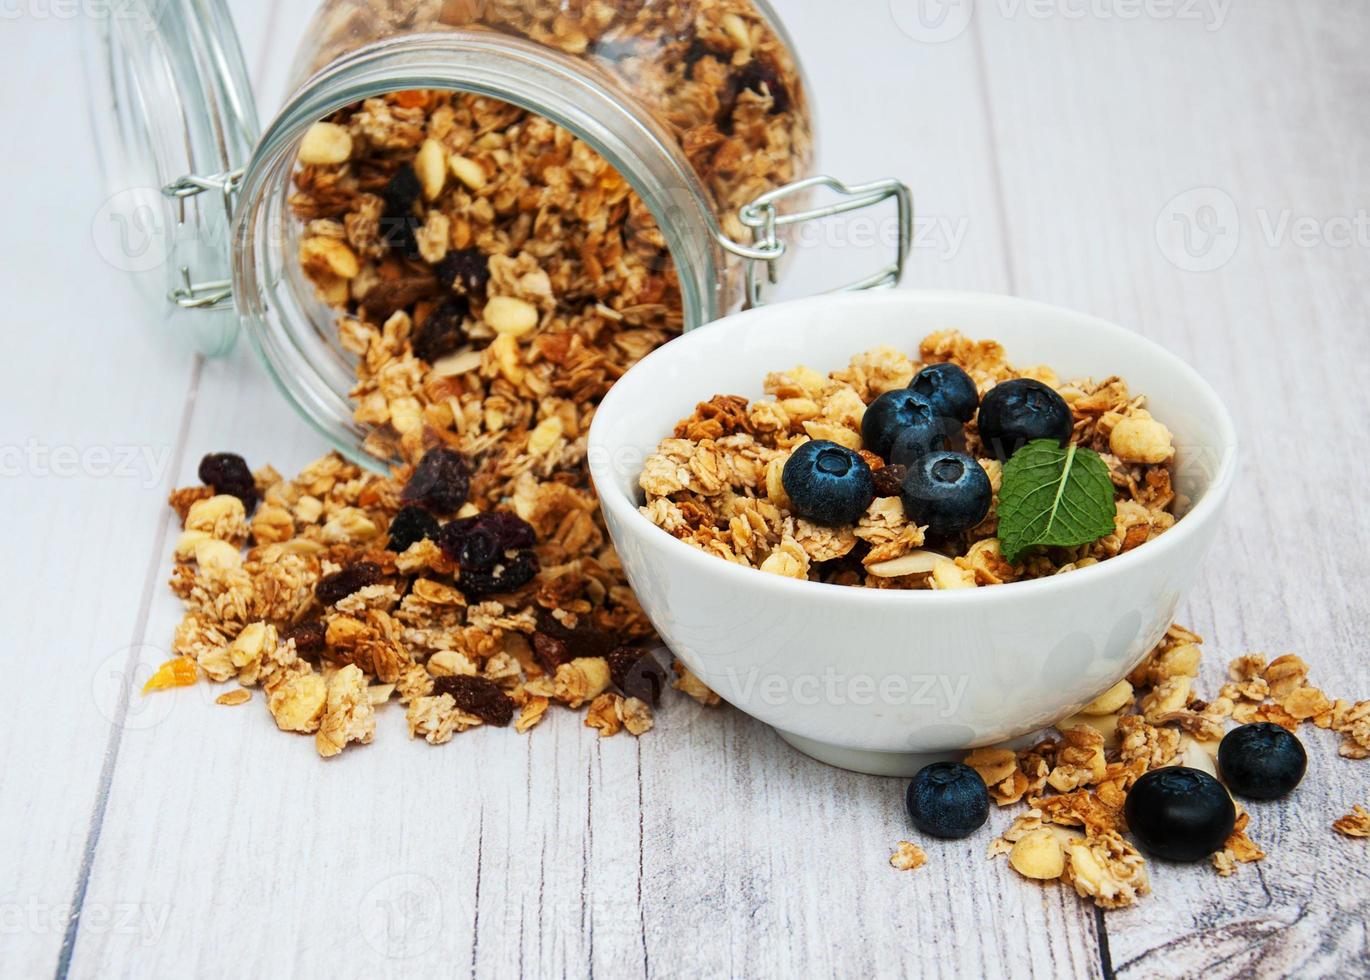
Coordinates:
[765,221]
[211,294]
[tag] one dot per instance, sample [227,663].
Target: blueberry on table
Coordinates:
[827,483]
[947,492]
[1263,761]
[948,799]
[409,526]
[891,414]
[949,390]
[1179,814]
[1014,413]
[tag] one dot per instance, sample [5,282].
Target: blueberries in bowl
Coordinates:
[1014,413]
[1179,814]
[891,414]
[1263,761]
[948,799]
[949,390]
[947,491]
[827,483]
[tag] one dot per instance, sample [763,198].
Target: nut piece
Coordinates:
[298,704]
[1038,855]
[1110,701]
[908,856]
[467,171]
[1141,439]
[914,563]
[1354,824]
[431,167]
[509,315]
[325,144]
[949,575]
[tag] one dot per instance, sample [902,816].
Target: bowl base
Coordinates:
[868,761]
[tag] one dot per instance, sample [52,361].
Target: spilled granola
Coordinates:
[716,482]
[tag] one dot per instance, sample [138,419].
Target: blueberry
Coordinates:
[948,799]
[891,414]
[827,483]
[922,437]
[949,390]
[947,491]
[1016,412]
[410,526]
[1263,761]
[1179,814]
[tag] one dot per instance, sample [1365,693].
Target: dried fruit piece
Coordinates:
[228,473]
[340,585]
[477,696]
[464,270]
[442,331]
[550,652]
[636,673]
[478,543]
[308,636]
[411,525]
[580,640]
[440,483]
[176,672]
[889,479]
[506,576]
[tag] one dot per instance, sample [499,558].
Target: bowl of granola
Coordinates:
[879,584]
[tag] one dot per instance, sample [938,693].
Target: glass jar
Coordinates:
[700,106]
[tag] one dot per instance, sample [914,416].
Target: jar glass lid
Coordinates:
[175,123]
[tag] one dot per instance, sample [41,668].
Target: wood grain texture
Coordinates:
[1041,151]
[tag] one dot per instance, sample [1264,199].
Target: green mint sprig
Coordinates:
[1054,496]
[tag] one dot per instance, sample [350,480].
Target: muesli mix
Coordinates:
[950,470]
[493,276]
[1103,773]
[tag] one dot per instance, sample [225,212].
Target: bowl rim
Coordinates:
[1205,512]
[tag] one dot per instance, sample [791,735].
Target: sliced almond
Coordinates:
[325,144]
[431,167]
[462,362]
[510,315]
[467,171]
[914,563]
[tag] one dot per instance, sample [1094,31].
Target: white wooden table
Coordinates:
[1054,155]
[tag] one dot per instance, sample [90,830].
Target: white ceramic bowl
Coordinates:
[876,680]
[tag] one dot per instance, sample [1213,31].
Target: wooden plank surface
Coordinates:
[1042,150]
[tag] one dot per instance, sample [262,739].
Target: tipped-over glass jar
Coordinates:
[538,192]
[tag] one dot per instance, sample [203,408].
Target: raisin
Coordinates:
[889,480]
[582,641]
[477,696]
[440,482]
[308,636]
[228,473]
[402,192]
[466,270]
[508,574]
[549,652]
[758,75]
[340,585]
[410,526]
[477,543]
[442,331]
[637,673]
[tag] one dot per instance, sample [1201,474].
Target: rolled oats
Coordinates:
[908,856]
[1354,824]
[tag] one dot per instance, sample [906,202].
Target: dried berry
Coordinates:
[402,192]
[637,673]
[889,479]
[465,270]
[478,543]
[308,636]
[410,526]
[228,473]
[550,652]
[440,482]
[757,76]
[508,574]
[340,585]
[477,696]
[580,640]
[443,330]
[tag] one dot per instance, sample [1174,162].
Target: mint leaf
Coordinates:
[1054,496]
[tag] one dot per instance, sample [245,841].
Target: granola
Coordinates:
[715,482]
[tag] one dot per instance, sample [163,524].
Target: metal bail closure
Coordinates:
[765,220]
[209,294]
